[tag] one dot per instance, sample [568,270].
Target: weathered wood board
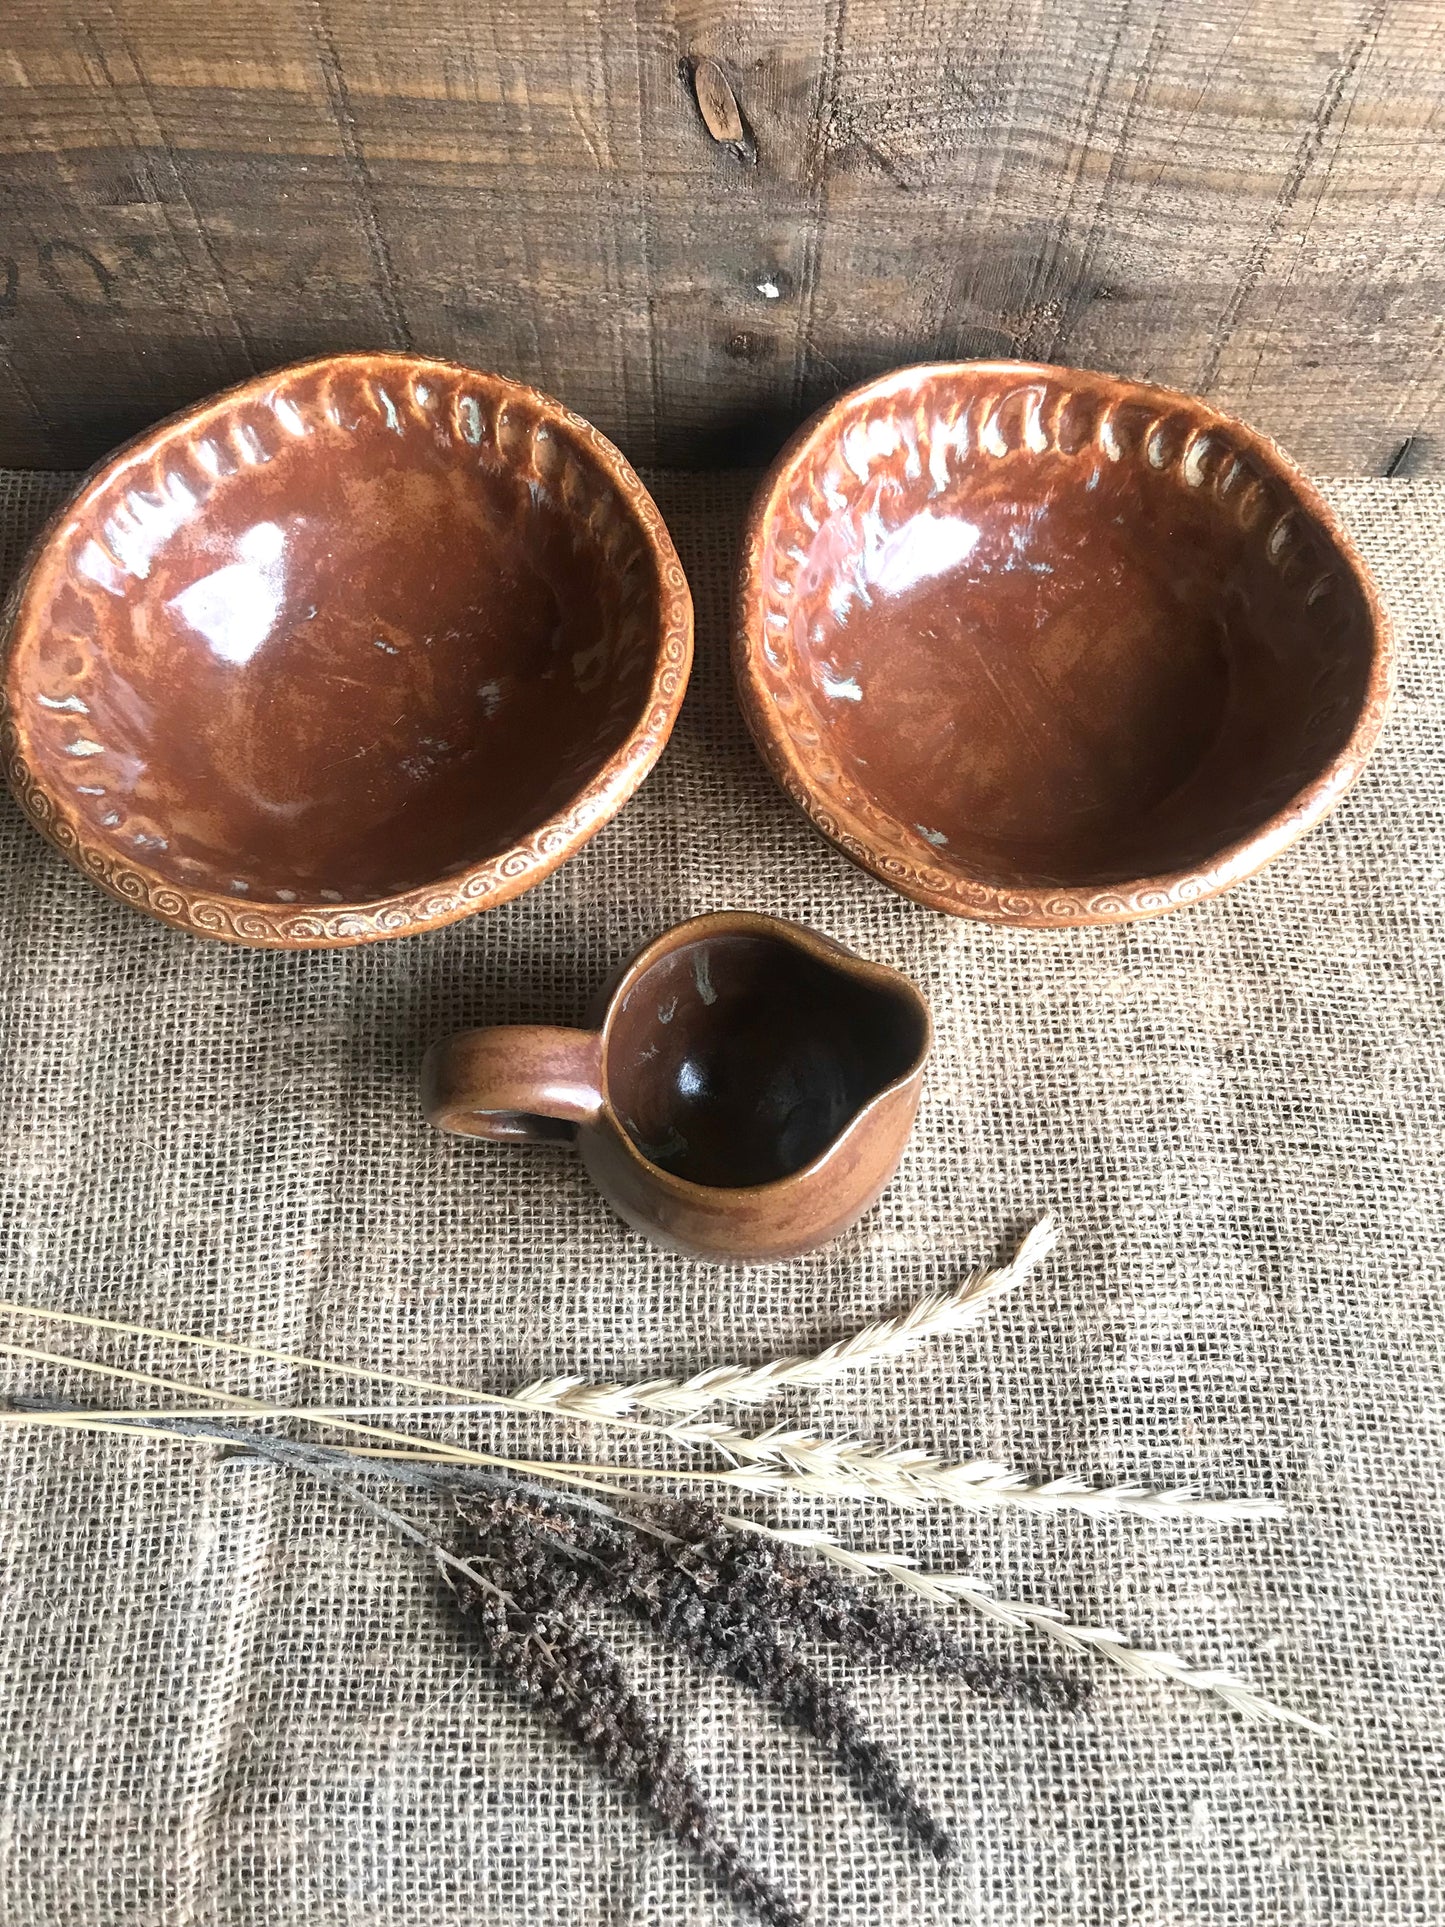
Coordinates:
[1233,196]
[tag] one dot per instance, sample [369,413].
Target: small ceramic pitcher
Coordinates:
[744,1092]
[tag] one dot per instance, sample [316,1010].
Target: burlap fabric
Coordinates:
[229,1699]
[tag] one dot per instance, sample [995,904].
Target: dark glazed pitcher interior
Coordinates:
[737,1059]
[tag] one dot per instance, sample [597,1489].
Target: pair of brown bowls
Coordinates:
[375,642]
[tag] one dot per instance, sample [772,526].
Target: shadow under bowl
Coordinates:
[354,650]
[1046,647]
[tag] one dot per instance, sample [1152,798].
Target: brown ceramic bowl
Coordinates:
[354,650]
[1046,647]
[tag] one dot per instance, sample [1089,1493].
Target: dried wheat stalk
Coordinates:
[903,1475]
[603,1402]
[458,1395]
[823,1467]
[818,1481]
[782,1459]
[826,1481]
[962,1588]
[932,1317]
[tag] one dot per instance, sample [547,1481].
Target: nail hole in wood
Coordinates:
[773,284]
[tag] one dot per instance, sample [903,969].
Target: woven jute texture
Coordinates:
[230,1698]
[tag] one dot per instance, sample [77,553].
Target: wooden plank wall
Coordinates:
[1241,197]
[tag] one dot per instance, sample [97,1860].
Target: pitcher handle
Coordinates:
[529,1082]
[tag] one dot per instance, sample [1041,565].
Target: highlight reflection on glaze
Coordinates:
[927,545]
[235,608]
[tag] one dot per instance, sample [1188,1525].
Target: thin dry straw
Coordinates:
[235,1401]
[607,1403]
[961,1588]
[147,1425]
[313,1414]
[412,1447]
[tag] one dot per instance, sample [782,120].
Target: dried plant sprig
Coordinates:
[599,1549]
[943,1588]
[796,1459]
[824,1482]
[580,1684]
[795,1462]
[938,1314]
[699,1587]
[816,1599]
[906,1476]
[962,1588]
[781,1459]
[903,1475]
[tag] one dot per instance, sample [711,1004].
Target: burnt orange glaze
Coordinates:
[350,634]
[1046,647]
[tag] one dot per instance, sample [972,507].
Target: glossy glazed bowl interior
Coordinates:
[355,649]
[1047,647]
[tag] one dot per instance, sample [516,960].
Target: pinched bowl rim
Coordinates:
[1002,406]
[436,395]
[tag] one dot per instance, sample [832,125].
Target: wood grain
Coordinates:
[1228,196]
